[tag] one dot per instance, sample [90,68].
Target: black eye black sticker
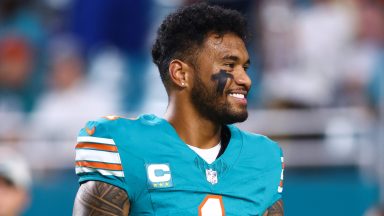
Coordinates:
[222,79]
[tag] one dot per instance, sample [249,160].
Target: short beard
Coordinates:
[207,104]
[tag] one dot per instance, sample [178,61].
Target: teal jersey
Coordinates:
[163,176]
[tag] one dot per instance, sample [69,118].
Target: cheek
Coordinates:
[221,79]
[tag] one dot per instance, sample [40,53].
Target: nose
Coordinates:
[243,79]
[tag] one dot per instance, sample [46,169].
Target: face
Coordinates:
[220,82]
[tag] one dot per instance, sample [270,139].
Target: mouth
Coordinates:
[239,95]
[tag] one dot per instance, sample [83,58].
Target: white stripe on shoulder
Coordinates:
[282,159]
[280,189]
[98,156]
[95,140]
[80,170]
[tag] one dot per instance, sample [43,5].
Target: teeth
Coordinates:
[240,96]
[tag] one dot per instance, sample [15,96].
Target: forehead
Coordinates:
[229,44]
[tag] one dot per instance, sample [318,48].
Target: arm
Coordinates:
[99,198]
[276,209]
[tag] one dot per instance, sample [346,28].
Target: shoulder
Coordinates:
[261,148]
[259,142]
[107,126]
[98,154]
[104,149]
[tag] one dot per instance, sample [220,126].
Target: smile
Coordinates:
[237,95]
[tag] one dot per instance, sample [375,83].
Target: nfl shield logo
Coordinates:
[211,176]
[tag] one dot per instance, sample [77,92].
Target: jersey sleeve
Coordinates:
[276,175]
[280,187]
[97,156]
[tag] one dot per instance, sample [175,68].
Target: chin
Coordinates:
[234,117]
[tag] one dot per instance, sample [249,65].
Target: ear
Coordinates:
[179,71]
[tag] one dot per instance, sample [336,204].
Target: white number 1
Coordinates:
[212,205]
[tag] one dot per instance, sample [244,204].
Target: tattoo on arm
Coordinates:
[99,198]
[276,209]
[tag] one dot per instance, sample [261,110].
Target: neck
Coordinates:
[191,127]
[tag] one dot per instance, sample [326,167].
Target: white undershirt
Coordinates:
[209,155]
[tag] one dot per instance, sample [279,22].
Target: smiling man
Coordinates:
[192,161]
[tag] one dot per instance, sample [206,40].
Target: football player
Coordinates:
[191,161]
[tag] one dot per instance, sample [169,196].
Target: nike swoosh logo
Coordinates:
[90,131]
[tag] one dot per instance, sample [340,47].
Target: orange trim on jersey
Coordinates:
[281,184]
[99,165]
[97,146]
[212,197]
[90,132]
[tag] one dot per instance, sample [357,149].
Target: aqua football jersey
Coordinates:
[163,176]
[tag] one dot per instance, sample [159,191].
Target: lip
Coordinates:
[238,91]
[242,101]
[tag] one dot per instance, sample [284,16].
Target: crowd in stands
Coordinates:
[64,62]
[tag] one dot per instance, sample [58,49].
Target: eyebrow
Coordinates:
[235,58]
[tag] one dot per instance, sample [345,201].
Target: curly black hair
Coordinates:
[183,32]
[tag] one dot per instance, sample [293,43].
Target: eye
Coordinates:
[230,65]
[246,66]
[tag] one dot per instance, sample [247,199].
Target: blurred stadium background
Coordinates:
[317,71]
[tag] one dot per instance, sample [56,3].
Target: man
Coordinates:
[191,162]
